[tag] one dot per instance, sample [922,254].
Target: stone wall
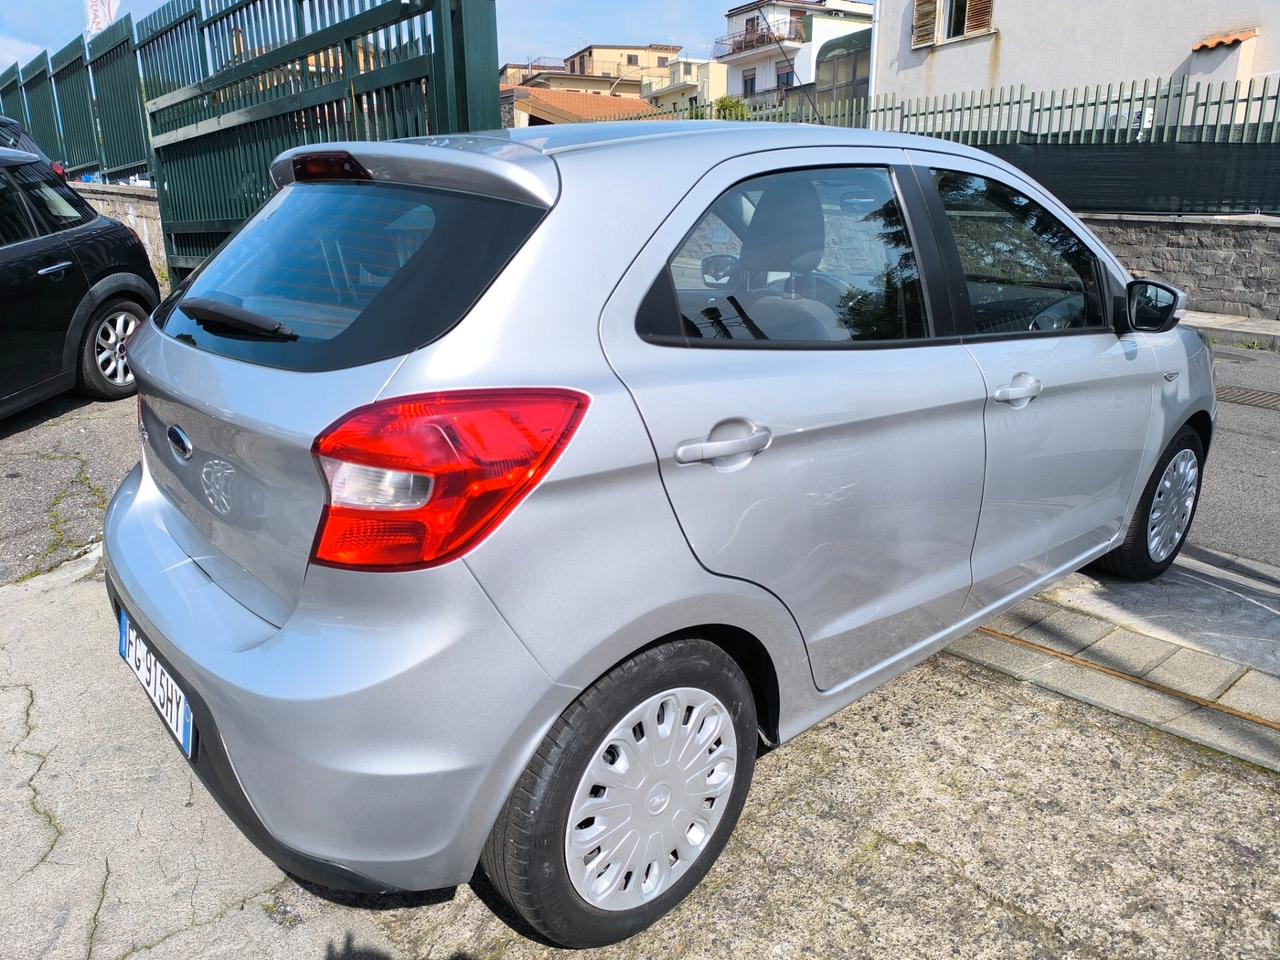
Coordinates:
[137,207]
[1226,264]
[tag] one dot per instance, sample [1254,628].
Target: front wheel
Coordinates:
[630,798]
[1163,518]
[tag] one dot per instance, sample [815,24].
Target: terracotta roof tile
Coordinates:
[584,106]
[1225,39]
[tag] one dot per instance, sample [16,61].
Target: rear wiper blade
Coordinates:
[228,315]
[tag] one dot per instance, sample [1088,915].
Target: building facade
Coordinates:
[926,48]
[770,48]
[688,83]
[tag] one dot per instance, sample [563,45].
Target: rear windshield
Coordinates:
[358,271]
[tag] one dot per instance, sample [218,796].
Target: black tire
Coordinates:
[91,380]
[1132,559]
[524,857]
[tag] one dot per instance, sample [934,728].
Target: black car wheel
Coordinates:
[104,367]
[630,798]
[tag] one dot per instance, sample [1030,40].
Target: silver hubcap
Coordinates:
[1171,509]
[108,344]
[653,793]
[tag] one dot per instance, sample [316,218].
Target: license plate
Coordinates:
[168,697]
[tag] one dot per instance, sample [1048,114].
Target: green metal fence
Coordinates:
[1156,146]
[74,91]
[1143,111]
[121,122]
[41,111]
[11,94]
[291,72]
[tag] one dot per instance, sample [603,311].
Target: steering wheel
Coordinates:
[1060,315]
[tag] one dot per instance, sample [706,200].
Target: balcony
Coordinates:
[761,35]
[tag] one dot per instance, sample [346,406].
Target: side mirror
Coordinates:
[1155,307]
[718,270]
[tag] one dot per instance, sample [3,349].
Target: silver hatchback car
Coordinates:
[502,494]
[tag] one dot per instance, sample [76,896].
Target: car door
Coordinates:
[1068,401]
[39,273]
[818,430]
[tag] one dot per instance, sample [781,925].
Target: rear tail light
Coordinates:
[418,481]
[60,171]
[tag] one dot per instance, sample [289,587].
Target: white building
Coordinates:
[771,47]
[689,82]
[926,48]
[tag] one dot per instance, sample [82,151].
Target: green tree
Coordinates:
[731,108]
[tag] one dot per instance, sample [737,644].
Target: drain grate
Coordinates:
[1251,398]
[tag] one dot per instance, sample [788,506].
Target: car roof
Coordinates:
[521,163]
[16,158]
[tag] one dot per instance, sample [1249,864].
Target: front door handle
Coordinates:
[694,451]
[56,268]
[1022,390]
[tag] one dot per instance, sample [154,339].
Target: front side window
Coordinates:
[1024,269]
[14,226]
[807,257]
[56,205]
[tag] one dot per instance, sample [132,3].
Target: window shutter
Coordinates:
[923,20]
[977,16]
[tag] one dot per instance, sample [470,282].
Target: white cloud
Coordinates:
[13,50]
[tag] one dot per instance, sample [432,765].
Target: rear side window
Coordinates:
[56,206]
[14,225]
[815,257]
[357,271]
[1025,271]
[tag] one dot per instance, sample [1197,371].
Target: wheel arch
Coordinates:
[117,286]
[1202,424]
[749,653]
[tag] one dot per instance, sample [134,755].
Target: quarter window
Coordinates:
[1025,270]
[14,226]
[818,257]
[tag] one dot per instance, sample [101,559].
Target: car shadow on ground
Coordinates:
[349,951]
[44,411]
[479,885]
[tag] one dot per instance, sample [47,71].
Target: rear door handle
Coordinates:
[694,451]
[56,268]
[1022,390]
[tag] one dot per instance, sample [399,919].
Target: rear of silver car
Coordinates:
[337,666]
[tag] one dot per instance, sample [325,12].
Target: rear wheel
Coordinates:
[1163,518]
[104,369]
[630,798]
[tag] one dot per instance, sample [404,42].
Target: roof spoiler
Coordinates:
[487,165]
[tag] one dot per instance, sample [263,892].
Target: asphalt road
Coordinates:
[954,812]
[62,460]
[1239,512]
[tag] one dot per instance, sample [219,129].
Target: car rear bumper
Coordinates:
[369,742]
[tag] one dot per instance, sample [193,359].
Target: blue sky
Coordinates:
[526,28]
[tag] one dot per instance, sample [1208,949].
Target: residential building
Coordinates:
[513,74]
[688,82]
[615,70]
[770,48]
[533,106]
[939,47]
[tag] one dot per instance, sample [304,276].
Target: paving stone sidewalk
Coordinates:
[1207,631]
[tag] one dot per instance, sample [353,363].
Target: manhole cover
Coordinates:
[1266,399]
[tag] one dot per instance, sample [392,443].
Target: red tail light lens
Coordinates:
[418,481]
[59,170]
[328,166]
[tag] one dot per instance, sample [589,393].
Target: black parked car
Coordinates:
[73,286]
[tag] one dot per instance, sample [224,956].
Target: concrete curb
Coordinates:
[1175,690]
[1228,331]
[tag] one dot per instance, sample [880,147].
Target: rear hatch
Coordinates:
[300,318]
